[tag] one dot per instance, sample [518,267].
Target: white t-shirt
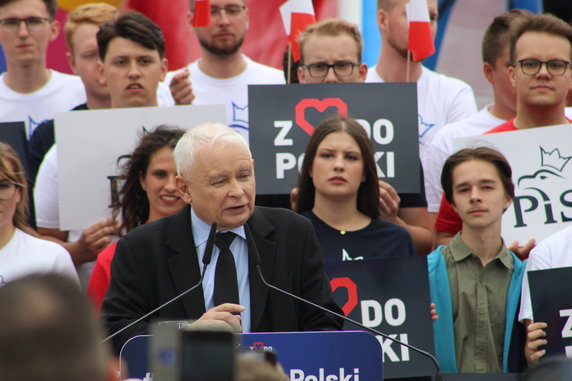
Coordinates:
[62,93]
[440,100]
[554,251]
[232,92]
[25,255]
[47,203]
[441,147]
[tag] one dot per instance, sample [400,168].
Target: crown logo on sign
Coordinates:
[553,159]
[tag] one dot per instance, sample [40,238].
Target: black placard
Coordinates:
[552,304]
[395,293]
[282,118]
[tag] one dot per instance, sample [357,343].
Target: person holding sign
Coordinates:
[554,251]
[331,53]
[339,193]
[148,193]
[475,281]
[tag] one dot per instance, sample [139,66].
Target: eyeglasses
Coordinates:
[34,24]
[531,66]
[230,10]
[8,190]
[341,68]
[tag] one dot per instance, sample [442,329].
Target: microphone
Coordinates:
[206,260]
[256,261]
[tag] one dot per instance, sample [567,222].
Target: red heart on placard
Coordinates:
[321,106]
[351,287]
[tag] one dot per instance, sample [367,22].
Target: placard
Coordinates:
[283,117]
[551,303]
[391,296]
[542,175]
[92,145]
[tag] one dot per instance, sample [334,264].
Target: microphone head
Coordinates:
[251,246]
[210,245]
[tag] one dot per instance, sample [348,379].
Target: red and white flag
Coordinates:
[202,14]
[420,38]
[297,15]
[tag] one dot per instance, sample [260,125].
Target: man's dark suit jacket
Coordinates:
[158,261]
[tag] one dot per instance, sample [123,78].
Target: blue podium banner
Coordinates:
[305,356]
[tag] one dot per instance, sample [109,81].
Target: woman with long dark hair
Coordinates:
[339,193]
[148,193]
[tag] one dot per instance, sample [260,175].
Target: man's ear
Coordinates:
[54,29]
[488,72]
[511,73]
[101,73]
[381,20]
[183,189]
[164,68]
[301,75]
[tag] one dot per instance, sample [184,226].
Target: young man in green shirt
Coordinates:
[475,281]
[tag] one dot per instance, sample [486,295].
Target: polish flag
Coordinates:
[420,38]
[297,15]
[202,14]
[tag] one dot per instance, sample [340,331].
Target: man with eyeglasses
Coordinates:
[223,73]
[29,91]
[540,55]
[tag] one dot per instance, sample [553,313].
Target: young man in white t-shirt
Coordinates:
[29,91]
[223,72]
[440,99]
[131,49]
[495,68]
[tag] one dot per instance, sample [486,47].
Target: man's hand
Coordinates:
[181,88]
[222,315]
[522,251]
[389,202]
[535,338]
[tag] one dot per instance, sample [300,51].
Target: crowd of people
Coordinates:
[178,186]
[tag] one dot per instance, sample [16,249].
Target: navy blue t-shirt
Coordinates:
[379,239]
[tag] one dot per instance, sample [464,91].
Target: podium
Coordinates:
[316,355]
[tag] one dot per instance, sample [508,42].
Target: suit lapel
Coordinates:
[184,263]
[260,228]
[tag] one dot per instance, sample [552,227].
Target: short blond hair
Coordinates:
[90,13]
[331,28]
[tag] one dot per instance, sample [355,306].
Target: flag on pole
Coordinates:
[297,15]
[420,38]
[202,13]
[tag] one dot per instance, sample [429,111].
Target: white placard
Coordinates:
[91,145]
[542,175]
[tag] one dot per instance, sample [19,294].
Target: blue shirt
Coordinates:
[239,250]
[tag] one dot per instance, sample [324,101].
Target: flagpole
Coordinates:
[408,65]
[289,73]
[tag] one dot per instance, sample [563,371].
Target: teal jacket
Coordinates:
[443,328]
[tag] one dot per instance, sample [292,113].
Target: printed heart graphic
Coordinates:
[321,106]
[349,285]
